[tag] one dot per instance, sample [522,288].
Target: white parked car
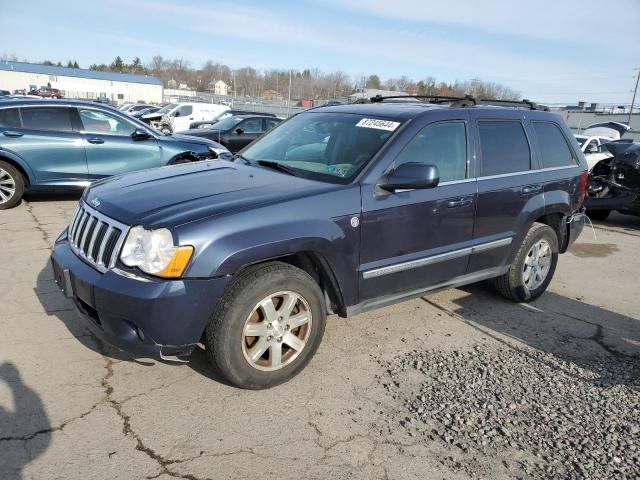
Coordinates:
[177,117]
[596,135]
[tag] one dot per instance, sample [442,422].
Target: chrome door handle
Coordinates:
[531,189]
[459,202]
[96,141]
[9,133]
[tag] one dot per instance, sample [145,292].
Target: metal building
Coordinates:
[80,83]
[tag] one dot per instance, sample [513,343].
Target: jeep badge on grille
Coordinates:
[95,202]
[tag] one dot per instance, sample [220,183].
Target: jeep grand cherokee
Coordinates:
[340,209]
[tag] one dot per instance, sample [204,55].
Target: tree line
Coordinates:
[274,83]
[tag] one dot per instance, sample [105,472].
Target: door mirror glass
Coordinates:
[411,176]
[176,113]
[239,131]
[140,134]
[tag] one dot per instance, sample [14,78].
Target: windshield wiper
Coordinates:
[244,159]
[277,166]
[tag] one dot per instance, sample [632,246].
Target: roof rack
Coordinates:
[466,101]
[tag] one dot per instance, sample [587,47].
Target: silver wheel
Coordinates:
[276,331]
[7,186]
[537,264]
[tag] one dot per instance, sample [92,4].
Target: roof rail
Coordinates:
[466,101]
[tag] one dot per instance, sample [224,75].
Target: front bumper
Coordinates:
[156,317]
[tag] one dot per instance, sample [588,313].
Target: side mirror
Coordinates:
[140,134]
[410,176]
[239,131]
[176,114]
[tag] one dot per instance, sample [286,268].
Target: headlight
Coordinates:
[153,252]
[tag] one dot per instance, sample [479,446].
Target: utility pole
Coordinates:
[289,101]
[633,100]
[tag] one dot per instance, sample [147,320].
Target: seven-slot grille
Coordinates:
[96,238]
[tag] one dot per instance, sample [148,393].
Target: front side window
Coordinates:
[9,117]
[331,147]
[56,119]
[94,121]
[253,125]
[184,110]
[554,148]
[504,147]
[443,145]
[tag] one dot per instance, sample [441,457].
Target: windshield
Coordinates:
[332,147]
[226,124]
[168,108]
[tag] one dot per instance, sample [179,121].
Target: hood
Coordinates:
[613,130]
[199,132]
[180,137]
[151,116]
[174,195]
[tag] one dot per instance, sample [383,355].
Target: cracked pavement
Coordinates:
[73,408]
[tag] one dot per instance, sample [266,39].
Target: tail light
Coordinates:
[584,178]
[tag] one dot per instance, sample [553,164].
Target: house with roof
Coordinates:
[81,83]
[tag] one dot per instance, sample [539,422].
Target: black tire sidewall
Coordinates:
[19,182]
[225,343]
[515,273]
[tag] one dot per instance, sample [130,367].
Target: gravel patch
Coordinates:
[542,416]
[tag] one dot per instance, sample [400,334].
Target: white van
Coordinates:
[178,116]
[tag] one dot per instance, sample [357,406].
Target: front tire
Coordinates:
[11,186]
[533,266]
[267,326]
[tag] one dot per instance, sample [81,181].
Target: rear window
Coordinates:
[9,117]
[554,149]
[504,147]
[47,118]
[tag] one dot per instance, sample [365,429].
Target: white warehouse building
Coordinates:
[81,83]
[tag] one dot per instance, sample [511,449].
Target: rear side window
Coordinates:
[504,146]
[47,118]
[443,145]
[9,117]
[554,149]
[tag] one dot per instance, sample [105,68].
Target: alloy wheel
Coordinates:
[537,264]
[276,331]
[7,186]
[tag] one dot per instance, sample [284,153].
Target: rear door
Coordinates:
[110,147]
[510,187]
[47,142]
[415,239]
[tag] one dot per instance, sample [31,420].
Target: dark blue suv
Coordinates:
[63,145]
[339,209]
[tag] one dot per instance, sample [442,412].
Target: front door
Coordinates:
[111,149]
[45,140]
[416,239]
[244,133]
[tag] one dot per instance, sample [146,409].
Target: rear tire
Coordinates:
[533,266]
[598,214]
[11,186]
[283,307]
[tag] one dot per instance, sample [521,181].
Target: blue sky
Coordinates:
[549,50]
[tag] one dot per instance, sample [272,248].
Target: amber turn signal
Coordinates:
[178,263]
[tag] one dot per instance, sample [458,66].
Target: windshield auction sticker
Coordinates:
[379,124]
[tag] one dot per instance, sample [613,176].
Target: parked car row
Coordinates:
[62,145]
[339,209]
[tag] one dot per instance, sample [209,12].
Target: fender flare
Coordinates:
[18,162]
